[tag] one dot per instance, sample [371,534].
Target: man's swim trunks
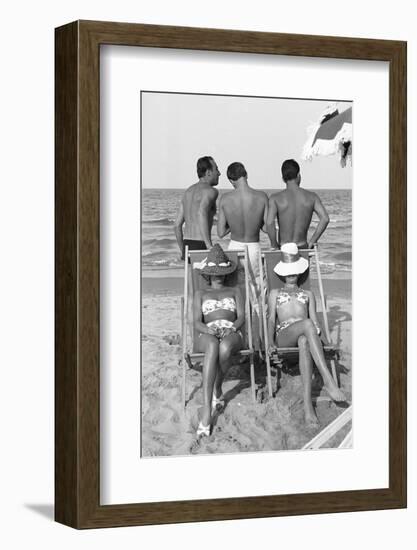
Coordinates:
[194,244]
[254,250]
[301,246]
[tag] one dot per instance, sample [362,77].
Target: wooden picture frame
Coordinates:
[77,359]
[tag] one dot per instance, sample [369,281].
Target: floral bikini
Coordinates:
[284,297]
[210,305]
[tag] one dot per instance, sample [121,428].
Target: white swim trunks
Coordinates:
[254,250]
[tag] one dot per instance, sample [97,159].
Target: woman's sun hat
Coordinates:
[216,262]
[291,262]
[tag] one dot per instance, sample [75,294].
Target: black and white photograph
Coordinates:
[210,343]
[246,265]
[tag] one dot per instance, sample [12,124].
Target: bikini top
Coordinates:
[210,305]
[284,297]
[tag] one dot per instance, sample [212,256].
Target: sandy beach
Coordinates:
[242,426]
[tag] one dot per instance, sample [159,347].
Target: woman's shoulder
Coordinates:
[274,292]
[230,292]
[230,289]
[200,293]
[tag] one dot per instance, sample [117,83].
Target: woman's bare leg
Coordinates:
[210,346]
[306,370]
[228,346]
[289,337]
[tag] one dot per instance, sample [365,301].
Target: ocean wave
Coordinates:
[159,221]
[340,219]
[166,262]
[153,254]
[345,226]
[159,242]
[334,246]
[343,267]
[343,256]
[325,267]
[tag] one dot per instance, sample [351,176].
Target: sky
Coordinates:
[261,133]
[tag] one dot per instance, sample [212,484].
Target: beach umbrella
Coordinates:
[331,135]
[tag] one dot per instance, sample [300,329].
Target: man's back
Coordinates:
[294,208]
[197,200]
[244,211]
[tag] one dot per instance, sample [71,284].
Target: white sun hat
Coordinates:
[291,262]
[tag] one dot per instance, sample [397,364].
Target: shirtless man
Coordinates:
[197,208]
[243,212]
[293,209]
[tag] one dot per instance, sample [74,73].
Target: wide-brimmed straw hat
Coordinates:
[216,262]
[291,262]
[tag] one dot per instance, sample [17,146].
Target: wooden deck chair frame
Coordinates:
[188,355]
[331,430]
[282,352]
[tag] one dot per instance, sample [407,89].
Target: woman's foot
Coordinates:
[203,430]
[204,414]
[311,418]
[335,393]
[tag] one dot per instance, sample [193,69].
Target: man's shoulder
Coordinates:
[210,192]
[279,196]
[309,194]
[260,194]
[190,190]
[225,197]
[198,192]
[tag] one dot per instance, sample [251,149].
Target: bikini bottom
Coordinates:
[291,321]
[287,323]
[220,325]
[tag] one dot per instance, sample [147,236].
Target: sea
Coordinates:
[160,251]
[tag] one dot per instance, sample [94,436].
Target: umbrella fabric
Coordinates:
[332,135]
[330,128]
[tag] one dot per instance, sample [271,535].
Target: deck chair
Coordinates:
[331,430]
[189,333]
[271,279]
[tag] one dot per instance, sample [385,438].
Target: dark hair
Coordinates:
[235,171]
[302,277]
[290,170]
[207,278]
[204,164]
[229,279]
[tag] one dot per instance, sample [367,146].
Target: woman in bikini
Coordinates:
[218,316]
[292,322]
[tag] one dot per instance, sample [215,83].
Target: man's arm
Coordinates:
[270,222]
[222,227]
[323,222]
[265,226]
[209,198]
[179,222]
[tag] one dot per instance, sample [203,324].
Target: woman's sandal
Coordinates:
[203,430]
